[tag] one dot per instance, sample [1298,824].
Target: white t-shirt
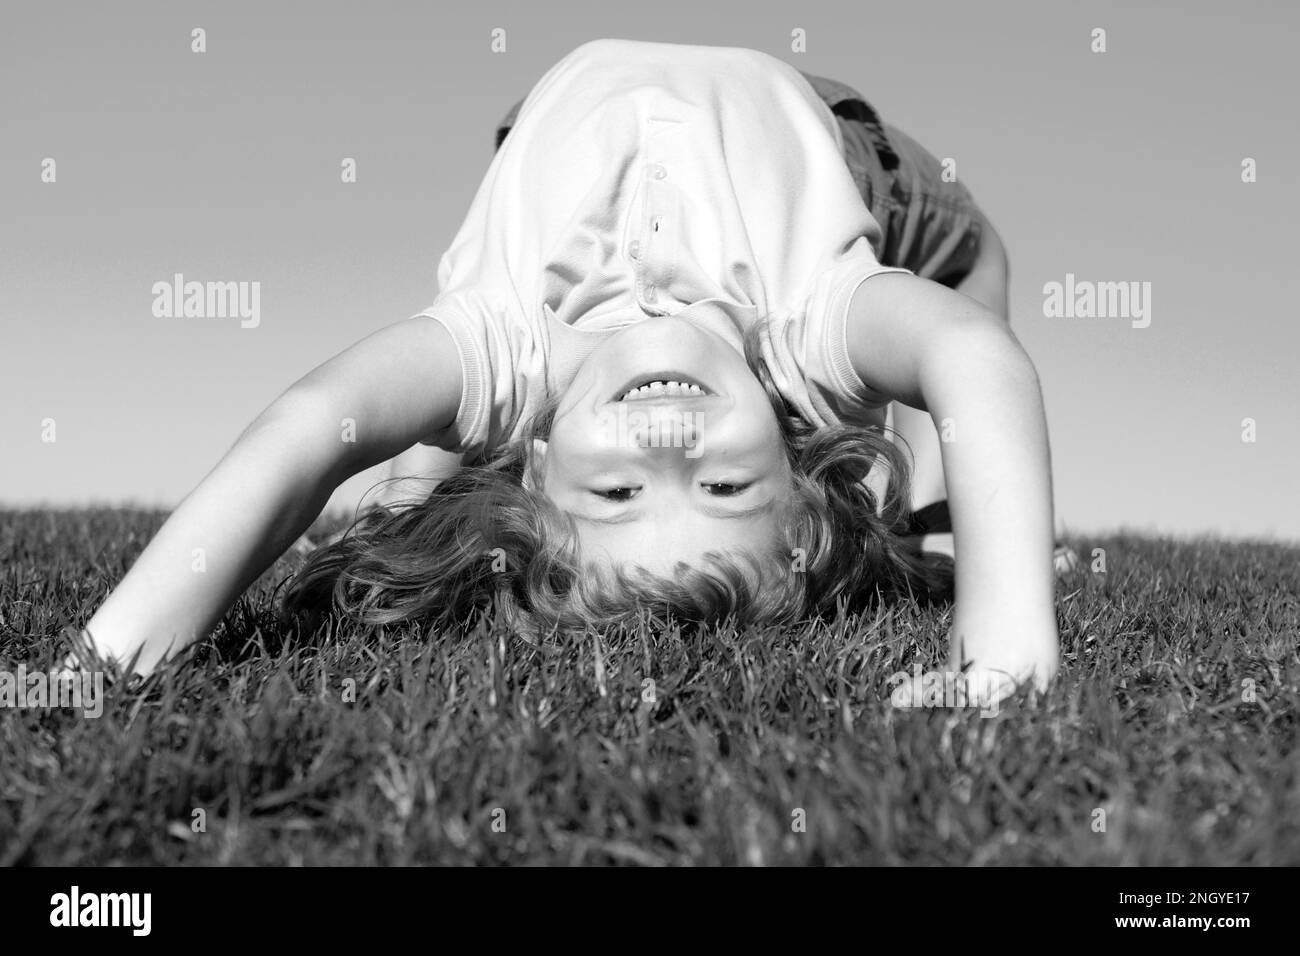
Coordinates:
[639,179]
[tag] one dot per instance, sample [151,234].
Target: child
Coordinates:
[667,350]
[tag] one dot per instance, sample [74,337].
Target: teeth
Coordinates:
[664,388]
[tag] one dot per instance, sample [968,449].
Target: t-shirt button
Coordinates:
[634,250]
[660,172]
[650,294]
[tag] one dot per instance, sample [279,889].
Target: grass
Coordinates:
[476,748]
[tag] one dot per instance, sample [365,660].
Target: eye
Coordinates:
[616,494]
[723,489]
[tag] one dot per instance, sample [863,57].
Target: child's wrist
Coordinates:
[1024,651]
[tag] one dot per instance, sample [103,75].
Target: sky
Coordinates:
[1117,166]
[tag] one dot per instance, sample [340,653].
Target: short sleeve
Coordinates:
[469,432]
[806,350]
[832,380]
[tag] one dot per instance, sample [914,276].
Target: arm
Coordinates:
[400,385]
[938,350]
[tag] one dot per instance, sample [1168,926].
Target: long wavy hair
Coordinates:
[484,537]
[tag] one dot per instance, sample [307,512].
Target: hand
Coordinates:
[1006,653]
[980,689]
[87,654]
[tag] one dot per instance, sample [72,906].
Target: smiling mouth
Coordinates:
[667,385]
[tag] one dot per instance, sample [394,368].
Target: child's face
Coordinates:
[664,474]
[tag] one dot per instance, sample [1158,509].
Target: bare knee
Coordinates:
[989,279]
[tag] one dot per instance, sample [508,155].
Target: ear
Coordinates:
[534,463]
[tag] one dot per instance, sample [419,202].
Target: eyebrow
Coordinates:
[623,518]
[711,510]
[715,512]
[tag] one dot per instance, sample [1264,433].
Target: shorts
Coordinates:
[928,226]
